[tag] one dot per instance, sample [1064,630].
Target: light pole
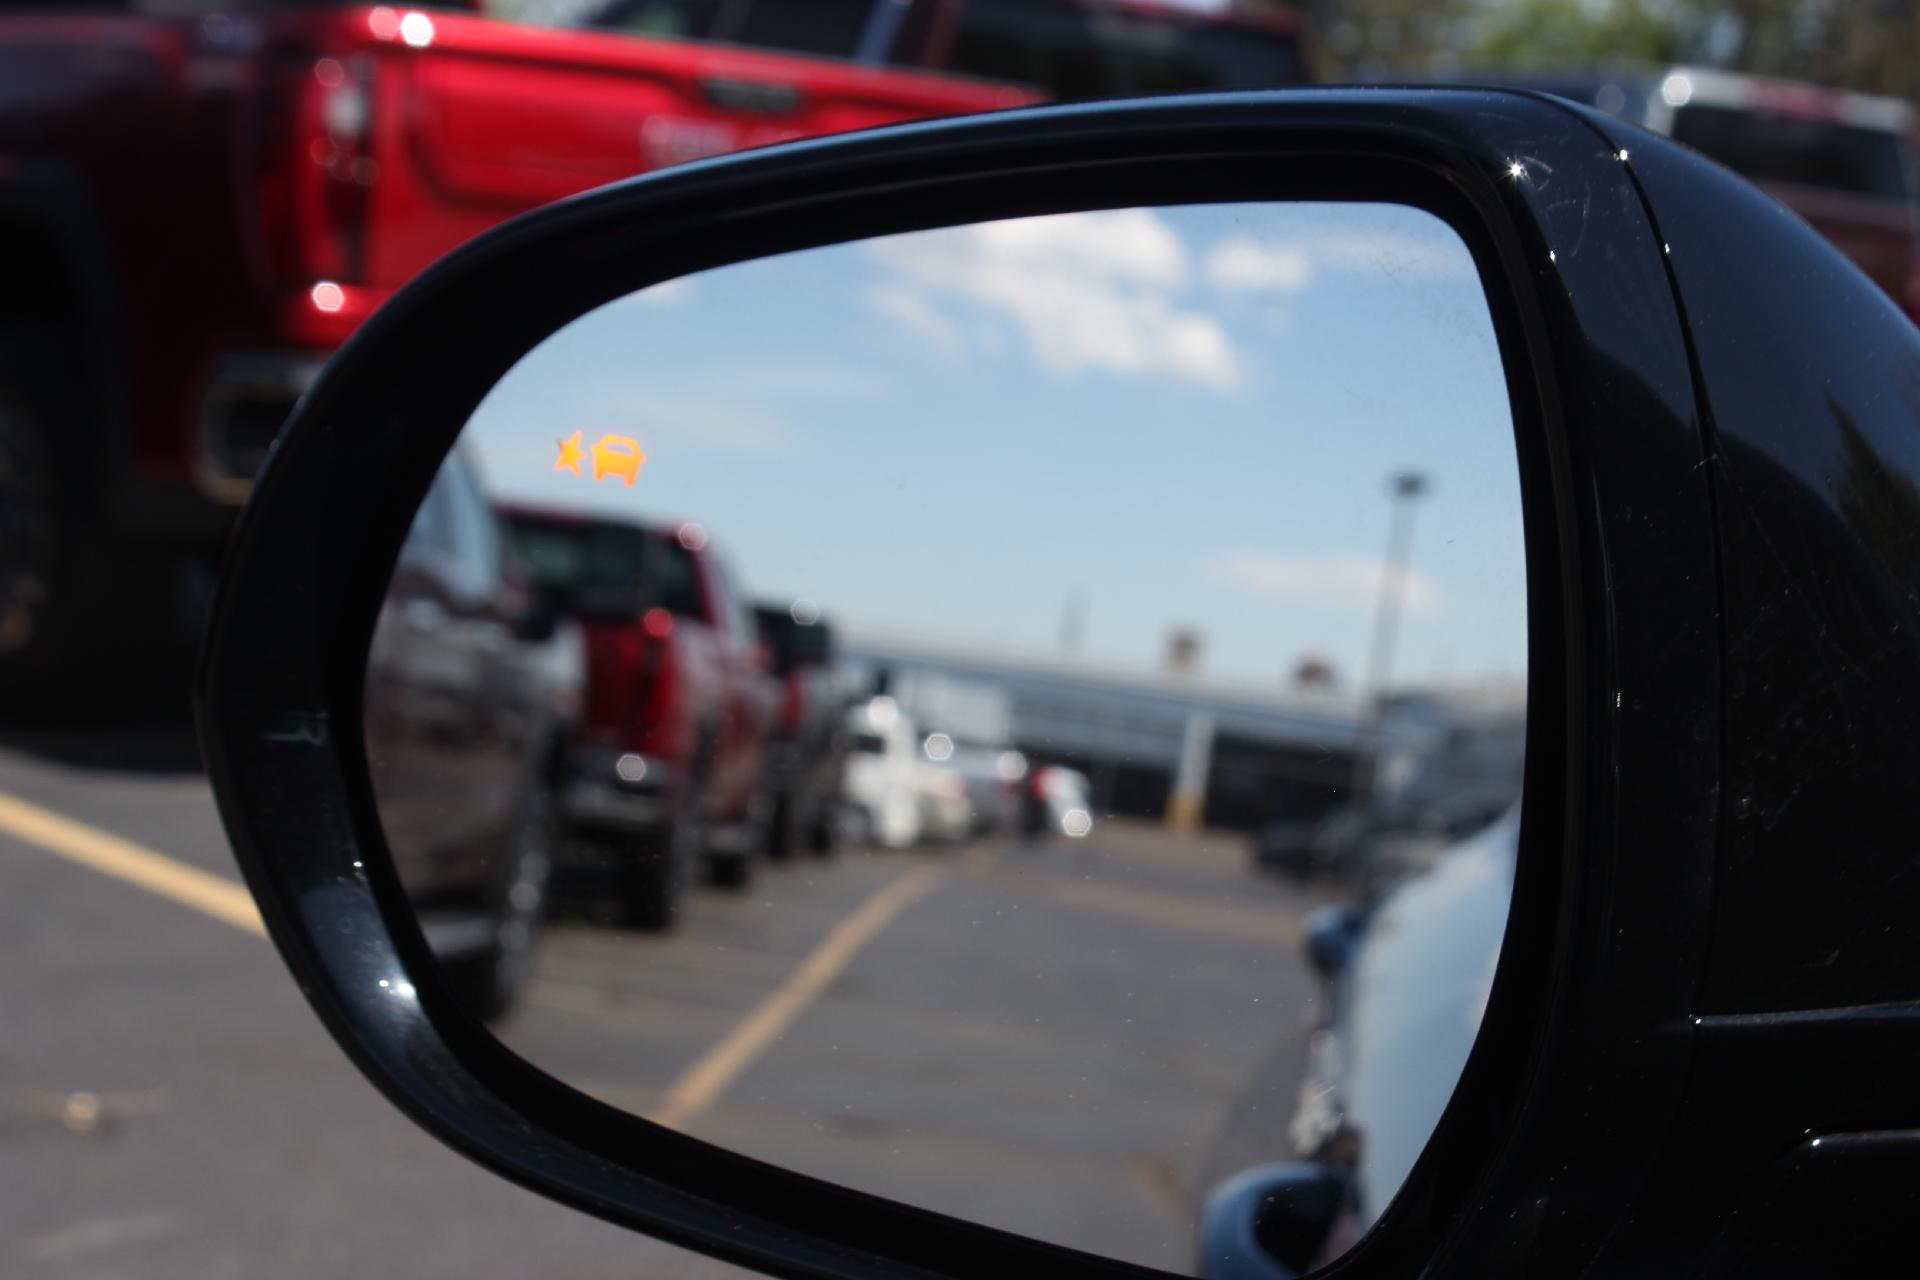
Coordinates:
[1407,487]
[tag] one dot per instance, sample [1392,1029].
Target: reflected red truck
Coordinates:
[198,203]
[666,775]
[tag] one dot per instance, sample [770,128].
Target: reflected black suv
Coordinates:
[472,690]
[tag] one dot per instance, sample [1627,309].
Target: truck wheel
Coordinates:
[29,543]
[67,595]
[653,872]
[824,837]
[733,868]
[730,870]
[489,982]
[783,835]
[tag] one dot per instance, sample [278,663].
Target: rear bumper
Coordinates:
[249,397]
[618,791]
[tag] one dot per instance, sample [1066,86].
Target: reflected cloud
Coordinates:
[916,313]
[1327,578]
[1245,265]
[1256,264]
[1085,292]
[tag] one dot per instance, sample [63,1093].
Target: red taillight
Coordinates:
[793,708]
[657,623]
[656,697]
[315,167]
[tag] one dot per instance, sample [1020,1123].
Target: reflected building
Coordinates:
[1196,751]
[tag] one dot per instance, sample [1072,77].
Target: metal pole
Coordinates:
[1407,487]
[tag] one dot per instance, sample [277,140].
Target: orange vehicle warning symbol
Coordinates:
[613,455]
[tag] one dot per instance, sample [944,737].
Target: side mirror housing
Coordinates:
[1270,1222]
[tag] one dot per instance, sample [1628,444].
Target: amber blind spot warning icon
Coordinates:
[612,455]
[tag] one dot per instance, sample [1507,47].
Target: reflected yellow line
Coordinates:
[717,1069]
[165,877]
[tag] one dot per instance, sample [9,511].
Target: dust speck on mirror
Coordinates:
[1023,718]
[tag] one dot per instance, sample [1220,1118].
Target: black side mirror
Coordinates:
[1608,1118]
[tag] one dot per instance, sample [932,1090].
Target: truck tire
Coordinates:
[733,868]
[784,832]
[489,982]
[69,598]
[31,542]
[654,870]
[729,870]
[824,836]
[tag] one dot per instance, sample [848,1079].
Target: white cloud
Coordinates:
[1085,292]
[1244,265]
[1327,578]
[917,314]
[1250,264]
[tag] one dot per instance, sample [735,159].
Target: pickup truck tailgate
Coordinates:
[495,118]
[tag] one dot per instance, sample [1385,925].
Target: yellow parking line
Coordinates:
[169,878]
[703,1083]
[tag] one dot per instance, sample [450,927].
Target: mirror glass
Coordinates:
[1025,718]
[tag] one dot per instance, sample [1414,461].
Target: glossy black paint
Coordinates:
[1583,1096]
[1808,1026]
[1815,479]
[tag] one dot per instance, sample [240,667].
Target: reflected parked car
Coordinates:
[806,754]
[1058,803]
[881,794]
[1372,849]
[473,689]
[995,776]
[666,767]
[947,812]
[1304,847]
[1406,982]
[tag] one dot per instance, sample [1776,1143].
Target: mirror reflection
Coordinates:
[1025,718]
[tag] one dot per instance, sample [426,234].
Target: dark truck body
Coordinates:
[807,753]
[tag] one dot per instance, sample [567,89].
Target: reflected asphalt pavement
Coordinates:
[1073,1040]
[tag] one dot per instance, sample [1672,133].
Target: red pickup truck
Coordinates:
[666,772]
[200,201]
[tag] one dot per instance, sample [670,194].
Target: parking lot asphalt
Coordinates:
[1072,1039]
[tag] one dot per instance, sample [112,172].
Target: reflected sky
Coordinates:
[1173,417]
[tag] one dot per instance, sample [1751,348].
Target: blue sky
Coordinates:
[1183,416]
